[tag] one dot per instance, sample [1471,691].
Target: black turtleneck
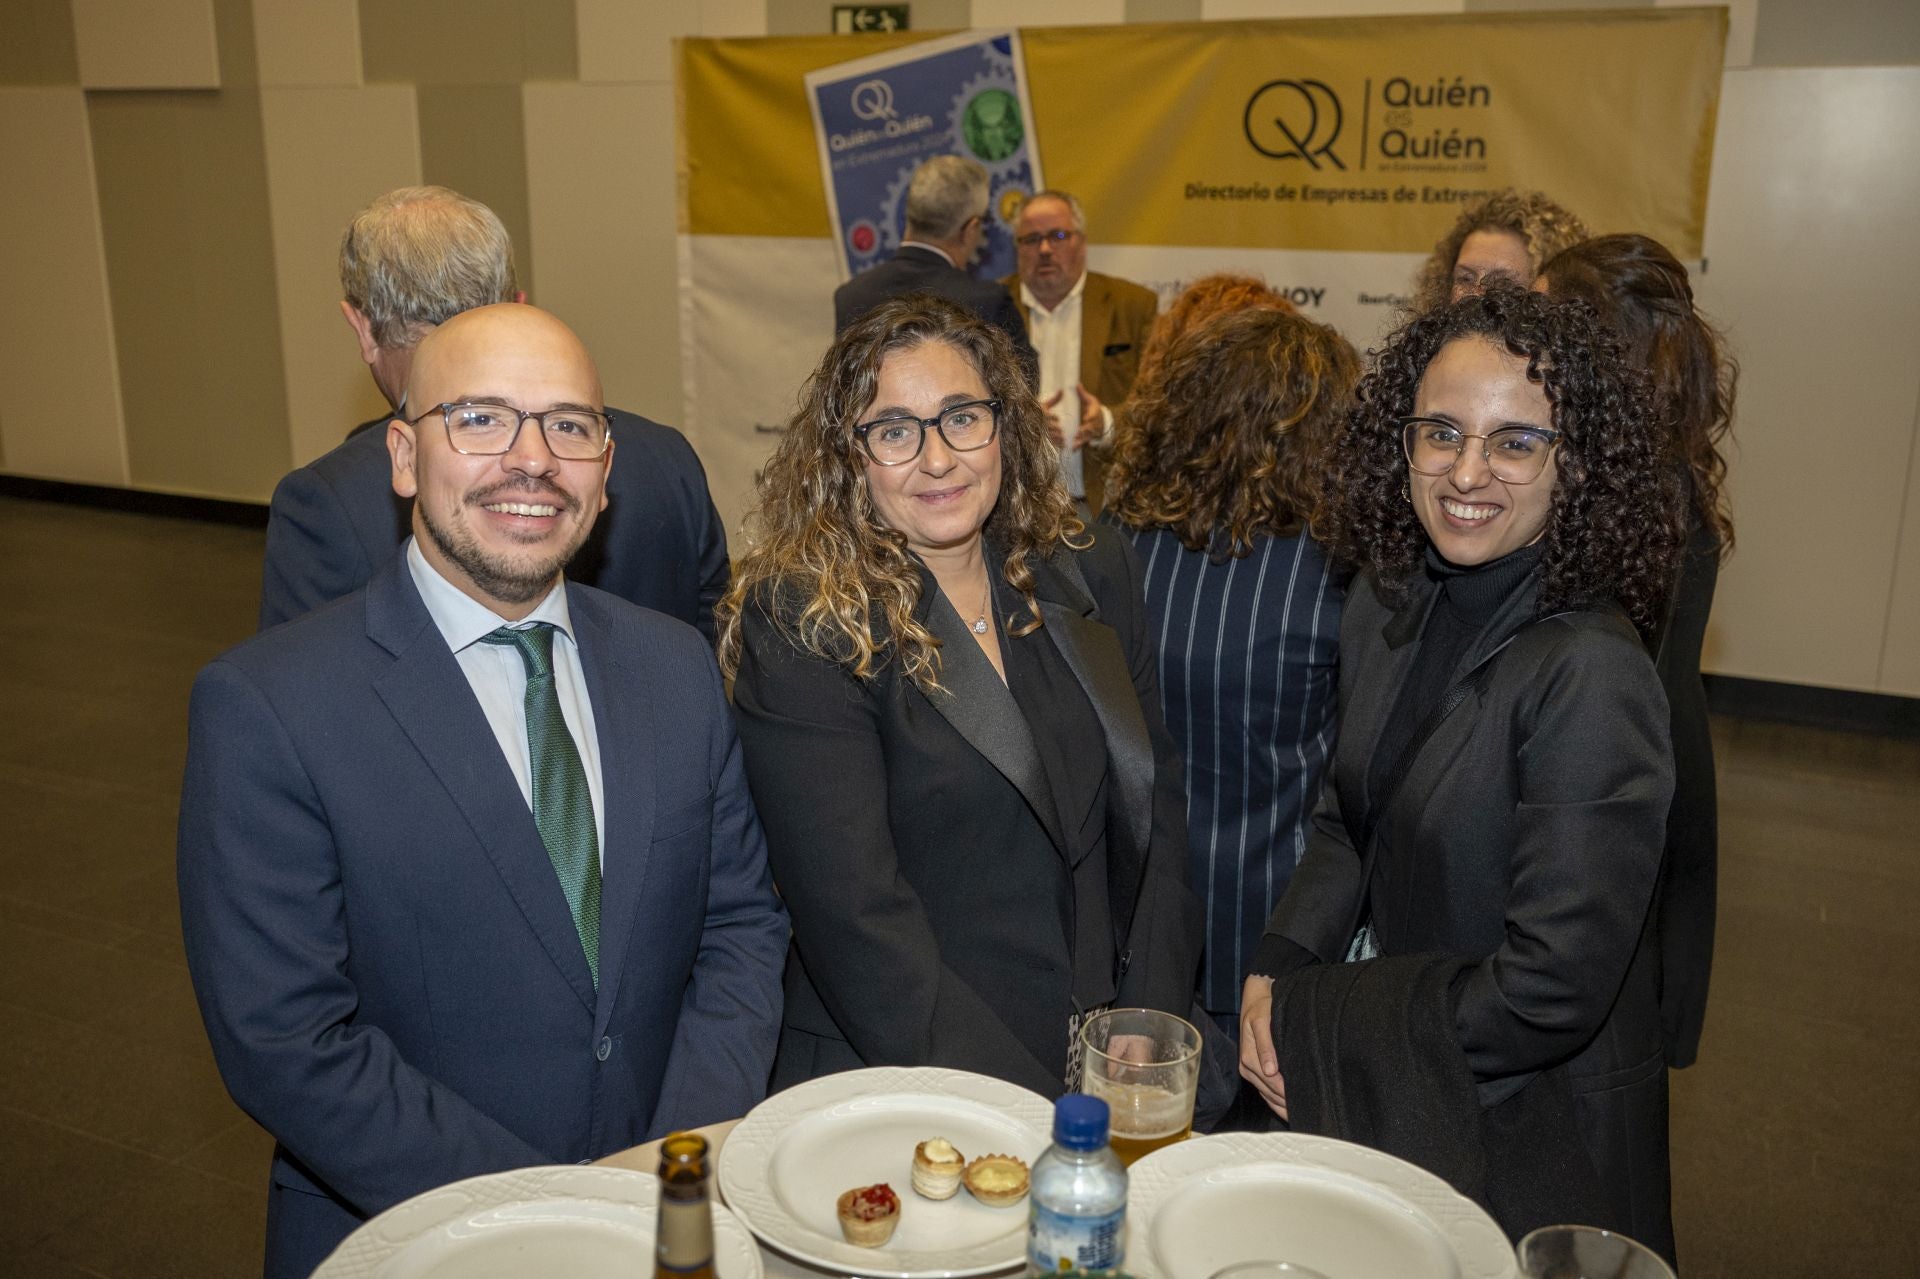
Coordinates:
[1466,601]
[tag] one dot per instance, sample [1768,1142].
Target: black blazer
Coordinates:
[1685,908]
[659,544]
[1526,835]
[917,270]
[885,813]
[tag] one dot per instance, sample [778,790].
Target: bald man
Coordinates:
[469,874]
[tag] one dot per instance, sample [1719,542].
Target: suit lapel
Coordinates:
[983,711]
[1365,707]
[428,695]
[627,740]
[1092,649]
[1096,321]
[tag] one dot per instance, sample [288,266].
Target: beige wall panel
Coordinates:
[184,211]
[308,42]
[1900,657]
[473,139]
[1212,9]
[60,409]
[1163,10]
[329,151]
[1061,13]
[469,41]
[1822,33]
[608,262]
[146,44]
[1814,270]
[36,43]
[721,18]
[625,42]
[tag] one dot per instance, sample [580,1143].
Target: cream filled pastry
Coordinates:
[937,1166]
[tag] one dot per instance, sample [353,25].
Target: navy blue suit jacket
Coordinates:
[917,270]
[382,952]
[659,543]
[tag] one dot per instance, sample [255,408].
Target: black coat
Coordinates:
[1526,835]
[895,821]
[659,544]
[917,270]
[1684,913]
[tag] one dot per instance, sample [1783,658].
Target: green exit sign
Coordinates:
[849,19]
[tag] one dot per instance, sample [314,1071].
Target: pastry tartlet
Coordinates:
[868,1214]
[999,1181]
[936,1168]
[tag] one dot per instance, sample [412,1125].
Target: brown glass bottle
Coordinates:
[683,1237]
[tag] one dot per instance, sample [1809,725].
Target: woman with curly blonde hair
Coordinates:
[1508,236]
[950,723]
[1214,477]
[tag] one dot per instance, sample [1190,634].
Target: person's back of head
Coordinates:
[418,256]
[944,193]
[1206,298]
[1225,444]
[1643,293]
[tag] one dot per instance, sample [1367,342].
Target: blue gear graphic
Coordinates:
[893,214]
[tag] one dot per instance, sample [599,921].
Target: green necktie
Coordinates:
[562,805]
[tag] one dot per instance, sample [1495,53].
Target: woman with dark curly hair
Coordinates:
[1213,478]
[950,723]
[1508,236]
[1642,291]
[1489,836]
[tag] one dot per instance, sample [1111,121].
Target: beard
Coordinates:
[507,577]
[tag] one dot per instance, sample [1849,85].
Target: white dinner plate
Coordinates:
[784,1167]
[1338,1208]
[581,1222]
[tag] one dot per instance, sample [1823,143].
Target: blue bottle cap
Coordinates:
[1080,1122]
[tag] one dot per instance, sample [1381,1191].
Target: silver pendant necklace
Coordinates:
[979,624]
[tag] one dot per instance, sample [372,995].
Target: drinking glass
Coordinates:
[1587,1252]
[1145,1065]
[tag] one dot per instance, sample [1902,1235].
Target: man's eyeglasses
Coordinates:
[1032,239]
[895,441]
[487,430]
[1515,454]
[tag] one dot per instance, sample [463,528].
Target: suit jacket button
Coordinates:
[604,1049]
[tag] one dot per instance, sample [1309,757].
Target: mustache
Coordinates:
[523,487]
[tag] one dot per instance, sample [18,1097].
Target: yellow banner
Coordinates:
[1329,134]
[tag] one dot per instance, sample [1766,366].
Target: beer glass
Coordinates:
[1586,1252]
[1145,1065]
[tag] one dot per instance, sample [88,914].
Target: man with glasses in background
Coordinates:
[413,259]
[470,878]
[1088,328]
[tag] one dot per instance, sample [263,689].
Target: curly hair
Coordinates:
[833,575]
[1615,525]
[1224,443]
[1206,297]
[1643,292]
[1543,226]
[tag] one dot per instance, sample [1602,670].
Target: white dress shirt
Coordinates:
[1056,336]
[498,675]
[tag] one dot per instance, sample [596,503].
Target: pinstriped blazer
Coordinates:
[1248,654]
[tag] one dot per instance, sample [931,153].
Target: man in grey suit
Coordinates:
[946,217]
[470,878]
[409,261]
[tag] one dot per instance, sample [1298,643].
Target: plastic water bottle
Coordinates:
[1078,1214]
